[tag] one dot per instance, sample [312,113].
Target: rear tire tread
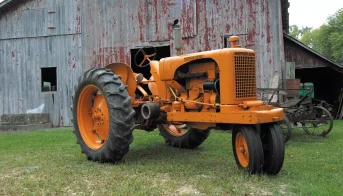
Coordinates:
[121,115]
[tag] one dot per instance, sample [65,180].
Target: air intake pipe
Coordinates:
[234,41]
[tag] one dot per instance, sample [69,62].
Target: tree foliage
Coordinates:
[327,39]
[297,32]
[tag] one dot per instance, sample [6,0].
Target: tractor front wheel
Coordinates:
[273,148]
[247,148]
[103,116]
[183,137]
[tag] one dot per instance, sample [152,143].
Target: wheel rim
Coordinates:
[286,129]
[242,150]
[93,117]
[175,130]
[319,129]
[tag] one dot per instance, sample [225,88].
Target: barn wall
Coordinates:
[74,35]
[41,18]
[112,28]
[27,44]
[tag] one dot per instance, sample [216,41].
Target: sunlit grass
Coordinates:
[50,162]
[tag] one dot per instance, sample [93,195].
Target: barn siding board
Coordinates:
[56,18]
[27,44]
[22,79]
[302,57]
[94,33]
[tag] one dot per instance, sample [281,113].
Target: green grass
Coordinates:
[50,162]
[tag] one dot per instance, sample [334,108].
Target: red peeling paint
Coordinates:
[187,18]
[227,28]
[111,29]
[141,21]
[206,34]
[156,19]
[169,3]
[269,31]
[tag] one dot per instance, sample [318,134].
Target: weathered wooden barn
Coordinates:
[45,45]
[313,67]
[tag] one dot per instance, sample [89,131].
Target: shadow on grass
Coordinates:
[298,135]
[160,151]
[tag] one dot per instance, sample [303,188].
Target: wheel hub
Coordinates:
[93,117]
[242,150]
[98,116]
[176,130]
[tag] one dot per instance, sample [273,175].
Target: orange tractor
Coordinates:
[185,97]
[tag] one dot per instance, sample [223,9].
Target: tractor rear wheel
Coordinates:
[103,116]
[183,137]
[247,148]
[273,148]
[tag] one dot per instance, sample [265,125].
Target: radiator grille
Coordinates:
[245,76]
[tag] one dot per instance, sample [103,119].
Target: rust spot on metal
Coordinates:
[51,27]
[51,12]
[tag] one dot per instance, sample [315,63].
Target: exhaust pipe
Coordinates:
[177,35]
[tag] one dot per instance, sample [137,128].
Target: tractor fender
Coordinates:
[127,76]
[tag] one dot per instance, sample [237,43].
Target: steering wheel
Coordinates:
[145,56]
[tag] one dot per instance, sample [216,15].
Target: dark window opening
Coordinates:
[49,79]
[161,52]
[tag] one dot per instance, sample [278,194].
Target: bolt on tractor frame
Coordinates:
[184,97]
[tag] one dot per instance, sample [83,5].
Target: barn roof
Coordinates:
[335,65]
